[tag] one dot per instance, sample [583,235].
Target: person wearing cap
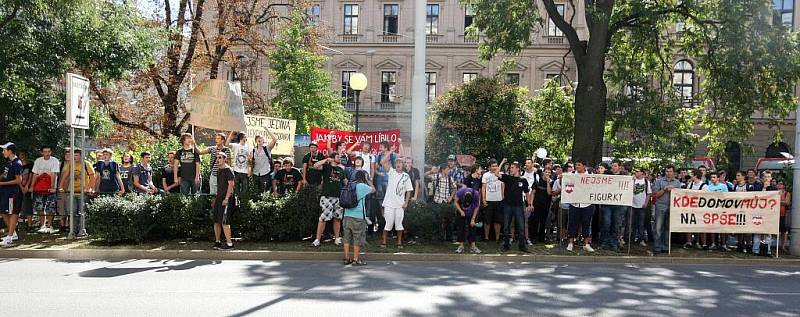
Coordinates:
[10,194]
[456,173]
[225,203]
[288,179]
[82,186]
[107,177]
[333,178]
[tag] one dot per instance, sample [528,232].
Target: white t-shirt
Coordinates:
[494,187]
[399,184]
[368,160]
[42,166]
[533,180]
[640,191]
[240,154]
[261,165]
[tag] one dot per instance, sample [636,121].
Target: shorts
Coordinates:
[330,208]
[10,202]
[212,185]
[393,218]
[27,205]
[44,203]
[222,214]
[493,213]
[355,231]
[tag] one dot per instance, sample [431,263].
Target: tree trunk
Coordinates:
[590,113]
[169,124]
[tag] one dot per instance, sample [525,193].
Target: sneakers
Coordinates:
[338,241]
[217,245]
[460,249]
[316,243]
[16,237]
[698,246]
[642,243]
[621,242]
[588,248]
[227,247]
[528,242]
[44,229]
[687,245]
[6,242]
[569,247]
[475,250]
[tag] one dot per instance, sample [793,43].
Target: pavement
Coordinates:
[47,287]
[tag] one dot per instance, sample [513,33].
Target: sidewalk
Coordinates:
[55,247]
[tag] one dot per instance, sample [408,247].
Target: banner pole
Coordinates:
[630,224]
[71,198]
[669,236]
[777,246]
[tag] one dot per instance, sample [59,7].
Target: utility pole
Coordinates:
[795,230]
[418,93]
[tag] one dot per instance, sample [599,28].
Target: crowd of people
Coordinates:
[365,191]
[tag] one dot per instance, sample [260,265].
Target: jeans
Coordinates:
[538,229]
[661,230]
[758,238]
[580,217]
[465,231]
[188,186]
[613,217]
[78,225]
[639,215]
[262,183]
[240,183]
[518,214]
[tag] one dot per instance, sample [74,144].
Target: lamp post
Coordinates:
[358,82]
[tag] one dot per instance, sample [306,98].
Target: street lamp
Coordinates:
[358,82]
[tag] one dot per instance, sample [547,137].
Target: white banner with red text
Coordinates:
[734,212]
[597,189]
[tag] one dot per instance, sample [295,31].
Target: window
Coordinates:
[350,19]
[430,84]
[432,19]
[468,77]
[552,29]
[683,80]
[347,93]
[314,12]
[469,16]
[390,12]
[784,12]
[512,79]
[388,84]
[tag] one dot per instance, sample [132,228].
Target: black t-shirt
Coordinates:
[474,183]
[168,173]
[223,176]
[12,169]
[27,174]
[314,176]
[514,187]
[333,179]
[108,176]
[541,197]
[187,158]
[287,180]
[145,175]
[413,173]
[127,177]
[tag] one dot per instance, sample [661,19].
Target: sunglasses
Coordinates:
[221,157]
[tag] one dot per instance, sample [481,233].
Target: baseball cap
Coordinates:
[451,157]
[106,150]
[9,146]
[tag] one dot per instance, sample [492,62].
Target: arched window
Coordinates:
[683,81]
[774,150]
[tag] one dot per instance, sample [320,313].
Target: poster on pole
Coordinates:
[77,101]
[597,189]
[217,104]
[282,128]
[323,137]
[734,212]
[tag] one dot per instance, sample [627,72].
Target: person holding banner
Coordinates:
[663,188]
[696,182]
[641,190]
[764,240]
[786,203]
[187,168]
[580,215]
[262,162]
[613,216]
[717,185]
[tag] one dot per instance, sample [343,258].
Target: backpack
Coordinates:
[43,184]
[348,196]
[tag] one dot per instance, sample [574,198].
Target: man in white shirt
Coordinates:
[492,196]
[641,193]
[532,176]
[395,201]
[44,187]
[242,156]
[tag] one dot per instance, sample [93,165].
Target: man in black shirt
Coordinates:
[288,179]
[413,174]
[514,206]
[168,183]
[224,204]
[10,193]
[312,176]
[187,169]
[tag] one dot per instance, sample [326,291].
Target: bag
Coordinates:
[43,184]
[348,197]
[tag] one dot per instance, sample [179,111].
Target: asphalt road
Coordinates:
[38,287]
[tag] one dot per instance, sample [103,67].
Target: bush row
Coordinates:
[137,219]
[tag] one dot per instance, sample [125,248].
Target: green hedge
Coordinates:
[136,219]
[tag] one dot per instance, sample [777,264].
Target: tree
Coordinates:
[486,117]
[302,86]
[749,61]
[43,40]
[553,118]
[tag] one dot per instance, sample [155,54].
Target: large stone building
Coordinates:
[375,37]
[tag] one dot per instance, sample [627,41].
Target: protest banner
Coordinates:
[217,104]
[322,137]
[734,212]
[597,189]
[282,128]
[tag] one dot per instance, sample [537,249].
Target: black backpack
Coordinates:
[348,197]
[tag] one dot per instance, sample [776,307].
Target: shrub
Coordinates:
[298,216]
[427,220]
[123,219]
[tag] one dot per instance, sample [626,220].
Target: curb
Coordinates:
[126,254]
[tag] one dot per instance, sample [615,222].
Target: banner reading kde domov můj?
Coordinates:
[734,212]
